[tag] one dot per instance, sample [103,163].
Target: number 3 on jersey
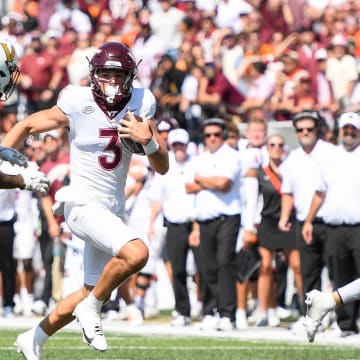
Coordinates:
[113,146]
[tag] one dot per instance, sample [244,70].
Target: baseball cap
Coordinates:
[52,133]
[321,54]
[306,115]
[178,136]
[339,40]
[349,118]
[214,121]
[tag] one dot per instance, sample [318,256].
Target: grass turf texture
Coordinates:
[68,345]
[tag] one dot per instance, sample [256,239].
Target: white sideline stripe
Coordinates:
[164,329]
[177,348]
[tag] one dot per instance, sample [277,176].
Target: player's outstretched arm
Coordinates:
[38,122]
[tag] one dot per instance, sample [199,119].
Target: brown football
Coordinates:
[131,145]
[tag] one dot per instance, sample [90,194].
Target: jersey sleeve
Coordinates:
[148,105]
[68,98]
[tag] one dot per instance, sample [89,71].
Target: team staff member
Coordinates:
[266,181]
[98,117]
[169,196]
[338,195]
[300,173]
[217,188]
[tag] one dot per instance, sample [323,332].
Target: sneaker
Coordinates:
[209,322]
[283,313]
[8,312]
[225,324]
[180,321]
[241,320]
[261,319]
[27,346]
[318,305]
[273,318]
[90,323]
[39,308]
[134,315]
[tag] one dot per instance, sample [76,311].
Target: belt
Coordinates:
[167,223]
[344,224]
[318,220]
[218,218]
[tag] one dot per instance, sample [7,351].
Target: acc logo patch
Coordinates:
[88,109]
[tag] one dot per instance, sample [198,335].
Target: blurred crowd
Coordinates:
[244,62]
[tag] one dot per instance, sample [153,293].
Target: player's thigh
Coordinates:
[98,226]
[94,263]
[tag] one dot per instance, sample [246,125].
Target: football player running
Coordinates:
[99,118]
[30,178]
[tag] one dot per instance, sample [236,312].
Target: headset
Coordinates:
[218,122]
[313,115]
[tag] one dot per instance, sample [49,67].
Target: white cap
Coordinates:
[339,40]
[53,133]
[349,118]
[321,54]
[178,136]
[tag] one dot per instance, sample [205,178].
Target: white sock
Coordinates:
[241,312]
[94,302]
[350,292]
[40,335]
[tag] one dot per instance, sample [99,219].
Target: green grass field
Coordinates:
[68,345]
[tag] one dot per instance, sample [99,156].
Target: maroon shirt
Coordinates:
[271,22]
[40,67]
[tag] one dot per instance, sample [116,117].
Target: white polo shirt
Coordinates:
[301,175]
[8,196]
[340,180]
[169,189]
[224,162]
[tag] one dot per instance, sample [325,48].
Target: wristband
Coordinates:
[151,147]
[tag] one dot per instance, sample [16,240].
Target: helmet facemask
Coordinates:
[112,93]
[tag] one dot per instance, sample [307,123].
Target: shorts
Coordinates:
[104,234]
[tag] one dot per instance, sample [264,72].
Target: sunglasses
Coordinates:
[308,129]
[216,134]
[280,145]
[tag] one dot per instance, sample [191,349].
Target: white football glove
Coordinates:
[13,156]
[35,181]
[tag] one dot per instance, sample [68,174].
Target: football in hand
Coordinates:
[131,145]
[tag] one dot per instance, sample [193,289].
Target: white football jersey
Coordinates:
[98,162]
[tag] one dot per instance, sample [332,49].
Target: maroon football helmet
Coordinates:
[112,55]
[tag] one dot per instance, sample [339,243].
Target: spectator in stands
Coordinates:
[148,49]
[282,102]
[276,16]
[77,65]
[341,70]
[39,79]
[167,86]
[216,93]
[68,16]
[164,24]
